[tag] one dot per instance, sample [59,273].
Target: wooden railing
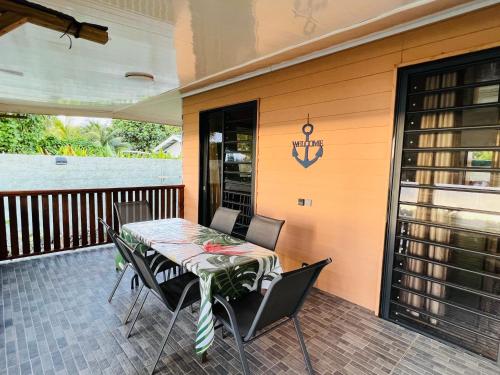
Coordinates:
[45,221]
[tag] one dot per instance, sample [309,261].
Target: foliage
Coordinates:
[482,155]
[49,135]
[61,130]
[143,136]
[145,155]
[106,137]
[21,135]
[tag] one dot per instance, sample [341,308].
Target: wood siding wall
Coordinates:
[350,97]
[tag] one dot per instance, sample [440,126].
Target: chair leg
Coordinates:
[241,350]
[172,321]
[236,333]
[307,360]
[137,315]
[129,312]
[169,330]
[117,282]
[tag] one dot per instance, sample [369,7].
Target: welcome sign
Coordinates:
[308,145]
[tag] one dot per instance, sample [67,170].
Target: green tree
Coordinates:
[143,136]
[106,137]
[21,135]
[49,135]
[62,130]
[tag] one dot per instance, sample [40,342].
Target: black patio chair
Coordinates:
[133,212]
[243,318]
[176,293]
[264,231]
[224,220]
[157,262]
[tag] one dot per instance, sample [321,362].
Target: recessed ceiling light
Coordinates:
[140,76]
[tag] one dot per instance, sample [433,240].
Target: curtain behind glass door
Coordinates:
[214,175]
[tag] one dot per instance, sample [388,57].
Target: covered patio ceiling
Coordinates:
[188,46]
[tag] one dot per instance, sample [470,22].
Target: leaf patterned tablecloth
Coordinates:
[224,264]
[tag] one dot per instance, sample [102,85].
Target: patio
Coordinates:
[56,320]
[372,130]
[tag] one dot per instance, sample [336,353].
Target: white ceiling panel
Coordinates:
[182,43]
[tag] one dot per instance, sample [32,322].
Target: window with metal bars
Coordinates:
[238,163]
[227,144]
[442,262]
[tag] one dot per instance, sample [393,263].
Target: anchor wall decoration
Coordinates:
[307,129]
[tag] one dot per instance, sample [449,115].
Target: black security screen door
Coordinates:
[227,145]
[442,263]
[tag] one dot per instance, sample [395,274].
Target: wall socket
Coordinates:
[304,202]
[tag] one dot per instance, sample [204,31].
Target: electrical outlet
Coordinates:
[308,202]
[300,201]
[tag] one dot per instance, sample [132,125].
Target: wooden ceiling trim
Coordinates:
[52,19]
[10,21]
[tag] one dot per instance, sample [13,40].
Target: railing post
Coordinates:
[56,222]
[83,218]
[100,212]
[3,231]
[74,221]
[25,228]
[181,202]
[92,219]
[65,221]
[35,220]
[46,224]
[14,241]
[109,213]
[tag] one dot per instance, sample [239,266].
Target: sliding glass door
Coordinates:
[442,264]
[227,148]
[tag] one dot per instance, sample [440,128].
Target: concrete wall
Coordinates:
[34,172]
[350,97]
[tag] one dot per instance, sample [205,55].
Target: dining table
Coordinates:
[225,265]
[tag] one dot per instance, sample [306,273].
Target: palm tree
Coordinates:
[62,130]
[106,137]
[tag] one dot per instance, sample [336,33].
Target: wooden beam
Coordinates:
[9,21]
[54,20]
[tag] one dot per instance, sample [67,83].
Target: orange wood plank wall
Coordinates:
[350,97]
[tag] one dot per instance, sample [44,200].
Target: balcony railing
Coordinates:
[46,221]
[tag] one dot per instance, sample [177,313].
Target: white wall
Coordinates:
[34,172]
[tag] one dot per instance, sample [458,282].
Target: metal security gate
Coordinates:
[227,157]
[442,260]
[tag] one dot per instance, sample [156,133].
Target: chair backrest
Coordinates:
[143,269]
[113,235]
[224,220]
[286,295]
[132,212]
[264,231]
